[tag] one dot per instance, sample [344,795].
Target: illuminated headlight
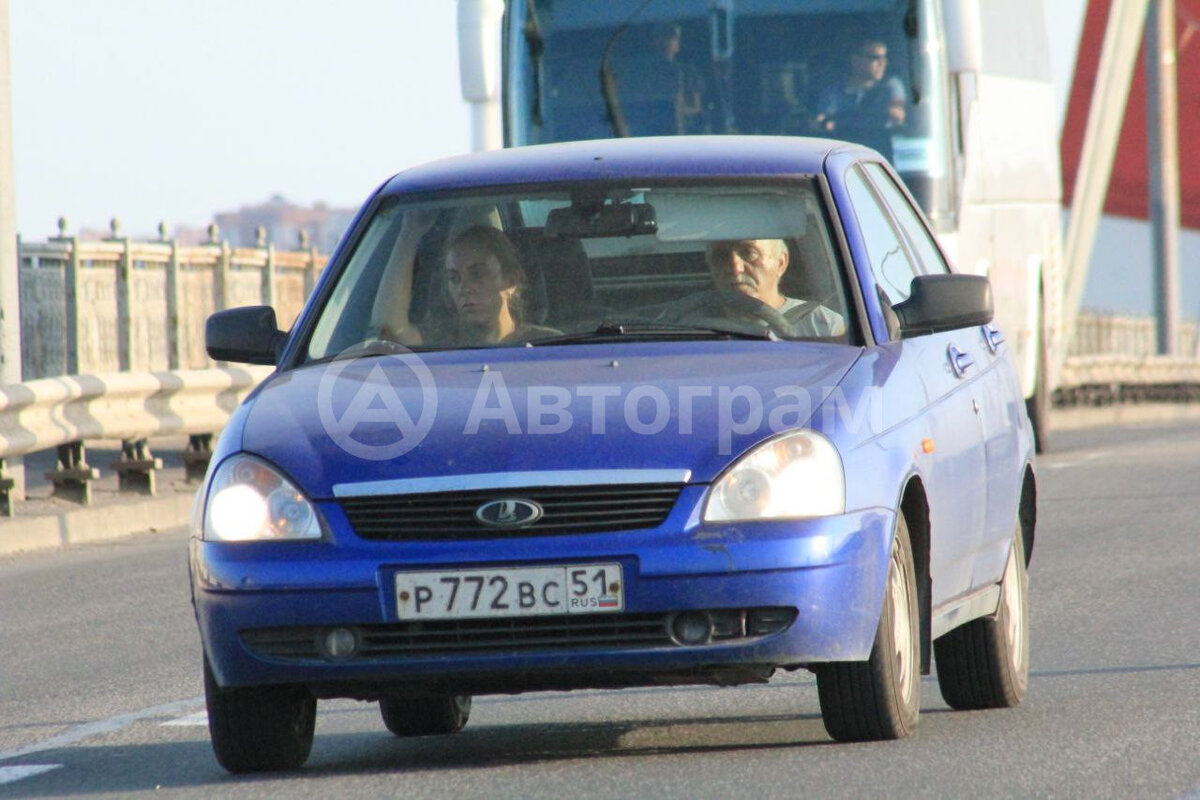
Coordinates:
[798,474]
[250,501]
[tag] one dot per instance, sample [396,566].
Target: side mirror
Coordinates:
[945,303]
[247,335]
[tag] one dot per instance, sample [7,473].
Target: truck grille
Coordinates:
[565,510]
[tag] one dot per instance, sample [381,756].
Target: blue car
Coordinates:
[612,414]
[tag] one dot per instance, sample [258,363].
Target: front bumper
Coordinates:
[831,571]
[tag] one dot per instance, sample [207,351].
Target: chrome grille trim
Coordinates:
[511,480]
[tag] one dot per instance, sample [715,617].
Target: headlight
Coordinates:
[798,474]
[249,501]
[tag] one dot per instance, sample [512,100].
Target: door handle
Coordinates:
[994,338]
[959,361]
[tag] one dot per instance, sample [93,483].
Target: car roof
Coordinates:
[604,160]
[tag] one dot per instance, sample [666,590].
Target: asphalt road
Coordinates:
[100,683]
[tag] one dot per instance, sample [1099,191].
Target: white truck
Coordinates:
[977,144]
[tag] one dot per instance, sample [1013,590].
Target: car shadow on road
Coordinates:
[531,743]
[163,766]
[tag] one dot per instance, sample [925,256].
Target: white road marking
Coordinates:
[200,718]
[1077,461]
[12,774]
[90,729]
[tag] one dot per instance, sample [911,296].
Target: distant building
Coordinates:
[283,222]
[188,236]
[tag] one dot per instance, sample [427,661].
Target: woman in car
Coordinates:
[483,279]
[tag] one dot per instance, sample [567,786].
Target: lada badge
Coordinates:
[509,513]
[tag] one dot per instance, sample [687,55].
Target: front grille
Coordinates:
[550,633]
[565,510]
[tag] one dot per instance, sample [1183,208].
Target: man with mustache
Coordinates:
[746,275]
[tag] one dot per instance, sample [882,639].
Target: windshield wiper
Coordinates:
[536,43]
[610,331]
[608,83]
[912,31]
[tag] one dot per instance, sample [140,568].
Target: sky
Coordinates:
[166,110]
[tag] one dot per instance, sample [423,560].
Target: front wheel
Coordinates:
[985,663]
[880,698]
[259,728]
[426,716]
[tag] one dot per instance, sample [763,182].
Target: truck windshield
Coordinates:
[868,71]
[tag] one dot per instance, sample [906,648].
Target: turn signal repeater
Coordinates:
[927,446]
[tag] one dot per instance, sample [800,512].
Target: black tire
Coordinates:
[438,715]
[880,698]
[260,728]
[985,663]
[1038,406]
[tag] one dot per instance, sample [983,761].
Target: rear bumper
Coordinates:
[831,571]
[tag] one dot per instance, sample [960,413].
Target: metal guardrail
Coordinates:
[1108,379]
[65,412]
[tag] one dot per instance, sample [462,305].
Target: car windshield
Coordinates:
[581,264]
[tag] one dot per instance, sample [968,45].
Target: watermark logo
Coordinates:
[375,423]
[384,406]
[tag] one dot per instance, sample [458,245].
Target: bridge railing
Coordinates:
[112,348]
[120,305]
[1112,359]
[1099,334]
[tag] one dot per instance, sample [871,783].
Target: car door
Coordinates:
[949,365]
[995,399]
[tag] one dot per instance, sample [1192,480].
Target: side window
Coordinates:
[890,264]
[918,236]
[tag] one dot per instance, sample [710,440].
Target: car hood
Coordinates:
[663,406]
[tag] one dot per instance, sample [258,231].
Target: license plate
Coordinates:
[516,592]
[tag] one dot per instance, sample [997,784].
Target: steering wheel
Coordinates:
[373,347]
[735,304]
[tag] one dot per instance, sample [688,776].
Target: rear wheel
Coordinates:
[985,663]
[259,728]
[426,716]
[880,698]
